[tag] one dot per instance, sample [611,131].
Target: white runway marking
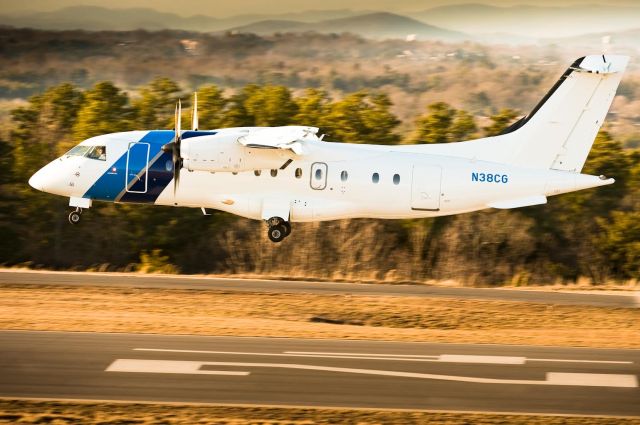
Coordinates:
[446,358]
[552,378]
[166,366]
[321,356]
[455,358]
[592,380]
[418,356]
[581,361]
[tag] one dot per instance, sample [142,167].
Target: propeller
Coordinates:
[174,147]
[194,113]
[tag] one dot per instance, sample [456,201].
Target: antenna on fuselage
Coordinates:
[194,112]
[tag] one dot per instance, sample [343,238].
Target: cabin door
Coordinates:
[425,187]
[137,167]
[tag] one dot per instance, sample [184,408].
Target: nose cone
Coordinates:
[37,181]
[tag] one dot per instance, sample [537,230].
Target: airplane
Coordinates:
[289,174]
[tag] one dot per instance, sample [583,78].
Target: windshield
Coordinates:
[92,152]
[79,151]
[98,152]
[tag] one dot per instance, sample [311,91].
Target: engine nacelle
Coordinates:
[222,152]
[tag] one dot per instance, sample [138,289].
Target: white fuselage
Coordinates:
[329,181]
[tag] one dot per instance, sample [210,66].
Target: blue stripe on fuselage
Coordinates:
[112,182]
[109,186]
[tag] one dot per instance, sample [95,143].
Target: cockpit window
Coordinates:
[93,152]
[79,151]
[98,152]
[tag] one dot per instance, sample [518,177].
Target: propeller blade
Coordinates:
[179,118]
[177,159]
[194,122]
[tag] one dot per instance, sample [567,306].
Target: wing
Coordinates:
[287,137]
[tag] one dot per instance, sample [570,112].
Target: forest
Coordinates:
[590,236]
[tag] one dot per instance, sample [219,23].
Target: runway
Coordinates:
[10,276]
[331,373]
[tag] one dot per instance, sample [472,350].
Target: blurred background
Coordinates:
[364,72]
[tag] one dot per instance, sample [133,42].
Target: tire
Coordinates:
[277,233]
[74,217]
[287,228]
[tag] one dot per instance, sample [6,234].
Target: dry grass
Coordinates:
[62,413]
[206,312]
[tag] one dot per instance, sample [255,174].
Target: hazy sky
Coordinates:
[234,7]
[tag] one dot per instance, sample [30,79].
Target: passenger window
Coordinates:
[274,173]
[257,172]
[375,178]
[396,179]
[298,173]
[318,174]
[98,152]
[344,176]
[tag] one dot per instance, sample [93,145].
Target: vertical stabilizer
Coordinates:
[560,131]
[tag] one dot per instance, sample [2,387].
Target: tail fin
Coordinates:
[559,132]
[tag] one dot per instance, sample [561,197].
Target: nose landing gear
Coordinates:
[278,229]
[74,216]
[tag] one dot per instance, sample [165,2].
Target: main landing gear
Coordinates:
[278,229]
[74,216]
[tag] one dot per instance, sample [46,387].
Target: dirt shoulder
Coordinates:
[210,312]
[67,412]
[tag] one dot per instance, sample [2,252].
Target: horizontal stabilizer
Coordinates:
[601,64]
[519,203]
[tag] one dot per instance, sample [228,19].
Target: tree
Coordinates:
[379,121]
[313,108]
[500,121]
[609,158]
[42,129]
[211,105]
[463,126]
[156,106]
[236,113]
[271,106]
[435,126]
[104,110]
[443,124]
[362,118]
[619,243]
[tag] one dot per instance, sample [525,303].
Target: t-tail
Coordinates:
[559,132]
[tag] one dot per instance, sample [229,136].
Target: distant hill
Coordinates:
[101,18]
[370,25]
[480,22]
[532,21]
[629,38]
[270,26]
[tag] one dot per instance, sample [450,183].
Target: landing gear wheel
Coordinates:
[287,228]
[277,233]
[74,217]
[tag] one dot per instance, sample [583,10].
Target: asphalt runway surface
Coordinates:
[329,373]
[10,276]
